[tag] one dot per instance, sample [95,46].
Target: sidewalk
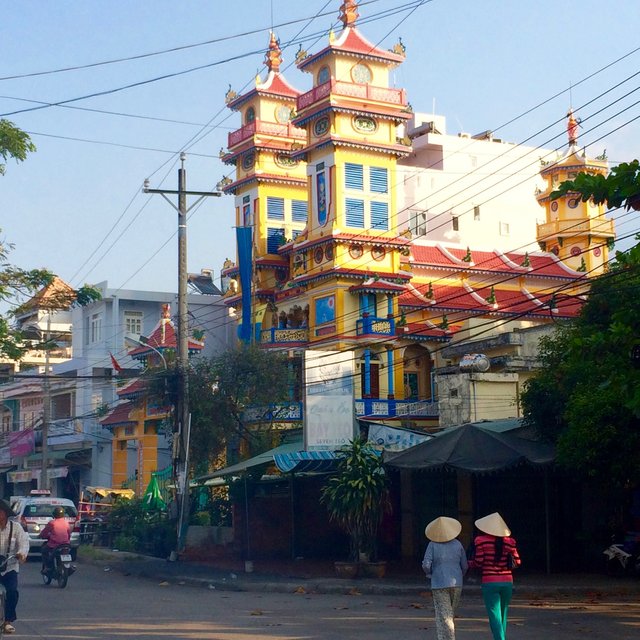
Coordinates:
[318,577]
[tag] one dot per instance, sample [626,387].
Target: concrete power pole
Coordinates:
[182,436]
[46,410]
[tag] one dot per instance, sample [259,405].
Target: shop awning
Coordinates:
[302,461]
[261,459]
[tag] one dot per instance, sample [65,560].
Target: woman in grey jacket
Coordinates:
[445,562]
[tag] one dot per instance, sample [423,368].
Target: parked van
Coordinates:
[35,510]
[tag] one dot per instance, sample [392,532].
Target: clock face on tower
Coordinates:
[283,114]
[361,73]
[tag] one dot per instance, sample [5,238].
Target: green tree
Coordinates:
[14,143]
[16,284]
[222,389]
[620,187]
[586,397]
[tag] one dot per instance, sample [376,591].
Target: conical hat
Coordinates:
[494,525]
[443,529]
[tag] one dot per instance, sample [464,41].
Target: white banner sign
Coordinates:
[329,408]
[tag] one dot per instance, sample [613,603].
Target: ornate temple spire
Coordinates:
[349,13]
[273,57]
[572,128]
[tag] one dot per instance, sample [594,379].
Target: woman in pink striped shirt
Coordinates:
[495,555]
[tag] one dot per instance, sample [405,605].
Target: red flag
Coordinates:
[115,364]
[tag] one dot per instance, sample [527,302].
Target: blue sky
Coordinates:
[76,207]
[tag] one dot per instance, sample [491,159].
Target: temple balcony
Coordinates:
[361,92]
[256,127]
[365,407]
[372,326]
[284,336]
[383,408]
[599,226]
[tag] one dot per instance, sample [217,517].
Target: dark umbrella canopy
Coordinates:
[473,448]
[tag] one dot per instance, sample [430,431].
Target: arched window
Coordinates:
[250,115]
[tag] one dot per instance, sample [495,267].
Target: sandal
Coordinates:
[8,628]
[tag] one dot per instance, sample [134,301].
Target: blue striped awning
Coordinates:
[305,461]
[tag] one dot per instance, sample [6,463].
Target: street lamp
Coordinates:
[181,453]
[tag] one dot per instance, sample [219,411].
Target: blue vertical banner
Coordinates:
[244,239]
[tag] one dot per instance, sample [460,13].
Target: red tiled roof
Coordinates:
[451,258]
[383,286]
[351,42]
[507,302]
[119,415]
[133,389]
[163,337]
[421,331]
[275,84]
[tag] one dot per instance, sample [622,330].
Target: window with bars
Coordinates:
[299,210]
[354,176]
[275,208]
[372,210]
[133,322]
[380,215]
[418,223]
[354,213]
[275,238]
[378,180]
[95,328]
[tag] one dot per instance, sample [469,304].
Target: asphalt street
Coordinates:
[102,603]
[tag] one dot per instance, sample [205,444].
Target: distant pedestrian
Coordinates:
[445,562]
[495,555]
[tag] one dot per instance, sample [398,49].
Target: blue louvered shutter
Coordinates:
[275,238]
[378,178]
[275,208]
[380,215]
[354,210]
[299,210]
[354,176]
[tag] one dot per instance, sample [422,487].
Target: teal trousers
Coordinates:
[497,596]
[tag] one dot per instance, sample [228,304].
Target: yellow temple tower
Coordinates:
[270,186]
[577,232]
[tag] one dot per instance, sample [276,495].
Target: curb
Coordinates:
[133,564]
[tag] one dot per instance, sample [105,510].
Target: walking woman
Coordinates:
[495,556]
[445,562]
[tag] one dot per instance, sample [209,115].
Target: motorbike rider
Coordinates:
[56,533]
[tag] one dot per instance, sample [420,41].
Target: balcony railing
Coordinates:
[365,92]
[286,130]
[370,325]
[284,336]
[288,412]
[382,408]
[571,227]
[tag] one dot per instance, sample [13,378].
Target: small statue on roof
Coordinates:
[399,48]
[230,95]
[349,13]
[572,127]
[301,54]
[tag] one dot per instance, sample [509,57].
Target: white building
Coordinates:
[470,190]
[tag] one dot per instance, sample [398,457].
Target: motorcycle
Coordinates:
[623,558]
[59,566]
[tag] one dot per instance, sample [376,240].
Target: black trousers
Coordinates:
[10,582]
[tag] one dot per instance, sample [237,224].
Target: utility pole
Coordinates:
[182,435]
[46,410]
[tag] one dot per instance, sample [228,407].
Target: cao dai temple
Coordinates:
[435,262]
[358,235]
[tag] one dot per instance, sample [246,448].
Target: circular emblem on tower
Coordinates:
[364,124]
[361,74]
[321,126]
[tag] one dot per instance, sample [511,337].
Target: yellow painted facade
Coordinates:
[350,278]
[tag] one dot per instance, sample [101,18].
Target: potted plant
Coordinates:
[357,497]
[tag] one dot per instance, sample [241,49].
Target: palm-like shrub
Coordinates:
[357,497]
